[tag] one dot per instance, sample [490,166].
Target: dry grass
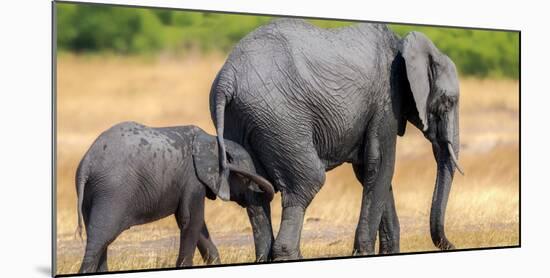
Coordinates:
[96,92]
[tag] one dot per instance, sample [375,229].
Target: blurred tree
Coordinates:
[95,28]
[98,28]
[475,52]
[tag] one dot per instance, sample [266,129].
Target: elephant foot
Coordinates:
[283,253]
[292,257]
[389,247]
[363,249]
[446,245]
[287,243]
[264,258]
[213,260]
[360,253]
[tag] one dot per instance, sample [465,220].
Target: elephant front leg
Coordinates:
[389,230]
[378,172]
[369,220]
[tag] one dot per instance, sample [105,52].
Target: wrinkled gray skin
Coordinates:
[133,174]
[303,100]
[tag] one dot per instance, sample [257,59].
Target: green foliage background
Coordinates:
[124,30]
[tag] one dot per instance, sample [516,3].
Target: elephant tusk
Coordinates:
[453,157]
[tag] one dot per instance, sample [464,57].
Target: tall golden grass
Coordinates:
[96,92]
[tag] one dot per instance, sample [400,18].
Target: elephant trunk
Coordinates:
[260,220]
[445,150]
[445,172]
[262,183]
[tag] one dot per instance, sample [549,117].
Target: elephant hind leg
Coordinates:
[300,186]
[287,243]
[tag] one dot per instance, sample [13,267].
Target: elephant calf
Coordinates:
[134,174]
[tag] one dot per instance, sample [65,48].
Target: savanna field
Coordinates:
[96,92]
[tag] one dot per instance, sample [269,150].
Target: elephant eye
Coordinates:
[229,157]
[443,104]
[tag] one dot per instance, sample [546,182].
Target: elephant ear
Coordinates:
[418,51]
[205,160]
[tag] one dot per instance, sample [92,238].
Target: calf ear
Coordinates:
[205,160]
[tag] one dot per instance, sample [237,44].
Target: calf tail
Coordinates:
[81,180]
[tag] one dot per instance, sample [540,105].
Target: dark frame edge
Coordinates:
[54,138]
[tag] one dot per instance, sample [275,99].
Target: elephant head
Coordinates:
[242,185]
[433,81]
[242,172]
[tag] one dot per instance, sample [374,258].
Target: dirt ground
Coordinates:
[94,93]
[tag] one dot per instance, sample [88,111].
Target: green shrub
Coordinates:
[99,28]
[66,31]
[475,52]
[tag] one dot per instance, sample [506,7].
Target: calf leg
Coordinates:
[190,219]
[103,262]
[208,250]
[104,224]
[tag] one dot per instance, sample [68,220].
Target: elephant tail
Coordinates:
[81,180]
[221,94]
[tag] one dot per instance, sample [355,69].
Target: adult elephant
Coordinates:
[303,100]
